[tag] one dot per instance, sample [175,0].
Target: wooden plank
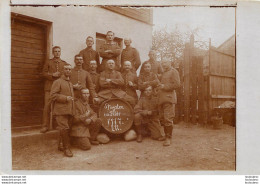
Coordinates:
[26,44]
[27,82]
[187,83]
[28,56]
[24,71]
[27,34]
[27,98]
[23,86]
[27,50]
[26,40]
[27,61]
[201,92]
[222,53]
[27,91]
[26,76]
[27,66]
[223,96]
[194,90]
[27,27]
[222,75]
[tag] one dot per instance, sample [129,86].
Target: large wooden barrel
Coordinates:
[117,115]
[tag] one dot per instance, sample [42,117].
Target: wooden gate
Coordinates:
[207,82]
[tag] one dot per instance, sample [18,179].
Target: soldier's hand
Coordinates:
[56,74]
[87,121]
[130,83]
[161,86]
[108,80]
[70,98]
[144,112]
[87,113]
[96,100]
[149,113]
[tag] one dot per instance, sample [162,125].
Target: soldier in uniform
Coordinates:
[170,81]
[147,78]
[130,79]
[94,75]
[130,54]
[63,109]
[81,78]
[156,67]
[146,113]
[86,125]
[110,50]
[89,54]
[110,82]
[52,70]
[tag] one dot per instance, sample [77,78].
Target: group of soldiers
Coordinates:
[73,95]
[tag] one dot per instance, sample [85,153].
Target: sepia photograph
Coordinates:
[123,88]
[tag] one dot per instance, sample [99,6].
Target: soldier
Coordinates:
[63,110]
[170,81]
[89,54]
[156,67]
[147,78]
[146,113]
[52,70]
[81,78]
[110,82]
[130,79]
[130,54]
[94,75]
[110,50]
[86,125]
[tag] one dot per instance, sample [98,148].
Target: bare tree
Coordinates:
[170,44]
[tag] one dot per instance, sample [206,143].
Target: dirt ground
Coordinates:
[193,148]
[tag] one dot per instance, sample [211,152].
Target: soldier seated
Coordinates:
[110,82]
[86,125]
[146,113]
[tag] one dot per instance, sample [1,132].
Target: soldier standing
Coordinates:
[81,78]
[63,109]
[89,54]
[130,54]
[156,67]
[52,70]
[110,50]
[170,81]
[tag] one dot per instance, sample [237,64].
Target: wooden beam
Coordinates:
[222,75]
[223,96]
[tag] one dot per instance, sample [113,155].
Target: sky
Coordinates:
[215,23]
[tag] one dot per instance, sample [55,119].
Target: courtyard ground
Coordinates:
[193,148]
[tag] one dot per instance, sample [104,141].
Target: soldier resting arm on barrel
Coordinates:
[146,113]
[86,125]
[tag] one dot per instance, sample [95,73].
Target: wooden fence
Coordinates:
[207,82]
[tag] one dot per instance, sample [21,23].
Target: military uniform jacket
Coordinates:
[130,90]
[106,56]
[51,66]
[148,103]
[132,55]
[89,54]
[83,78]
[171,81]
[107,90]
[151,79]
[61,88]
[79,129]
[156,67]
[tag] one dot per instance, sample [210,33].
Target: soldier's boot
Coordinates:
[168,134]
[139,133]
[65,140]
[60,144]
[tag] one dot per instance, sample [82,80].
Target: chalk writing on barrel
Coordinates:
[114,123]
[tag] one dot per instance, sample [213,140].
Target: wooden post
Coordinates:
[208,87]
[201,91]
[194,89]
[187,83]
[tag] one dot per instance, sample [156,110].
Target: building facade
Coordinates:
[35,30]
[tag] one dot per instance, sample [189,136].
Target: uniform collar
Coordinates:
[57,60]
[83,102]
[89,48]
[65,78]
[92,72]
[77,69]
[112,43]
